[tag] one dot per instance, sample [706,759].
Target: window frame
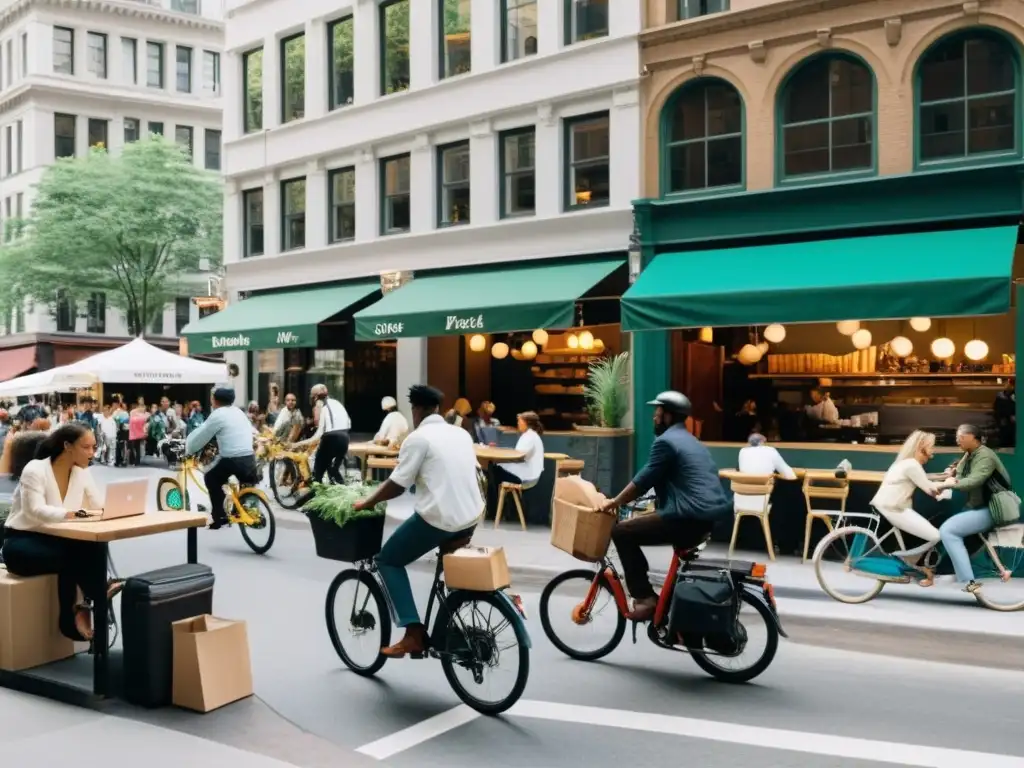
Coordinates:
[382,46]
[96,313]
[214,58]
[137,122]
[442,186]
[191,144]
[568,123]
[64,309]
[180,301]
[9,150]
[283,72]
[97,121]
[504,39]
[90,37]
[246,100]
[681,9]
[569,24]
[73,137]
[332,71]
[178,50]
[442,59]
[385,196]
[134,43]
[154,124]
[20,133]
[248,224]
[287,217]
[153,45]
[333,204]
[24,54]
[504,173]
[71,57]
[206,148]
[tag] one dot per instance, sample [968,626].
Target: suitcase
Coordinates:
[149,603]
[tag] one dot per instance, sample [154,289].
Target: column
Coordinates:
[40,47]
[232,97]
[271,214]
[233,223]
[170,68]
[623,19]
[486,36]
[115,68]
[625,141]
[483,173]
[316,205]
[81,51]
[367,197]
[410,368]
[423,203]
[271,82]
[115,135]
[316,69]
[549,26]
[548,163]
[366,36]
[424,33]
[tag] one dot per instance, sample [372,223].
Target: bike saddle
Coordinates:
[689,553]
[451,545]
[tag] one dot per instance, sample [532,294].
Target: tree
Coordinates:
[127,225]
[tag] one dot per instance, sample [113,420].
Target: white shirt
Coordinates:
[439,459]
[36,501]
[825,411]
[896,492]
[392,428]
[529,469]
[760,460]
[107,426]
[333,418]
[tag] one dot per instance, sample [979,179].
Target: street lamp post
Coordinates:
[634,252]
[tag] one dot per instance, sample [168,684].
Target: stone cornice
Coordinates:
[136,9]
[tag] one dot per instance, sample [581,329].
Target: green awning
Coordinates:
[273,320]
[933,274]
[486,300]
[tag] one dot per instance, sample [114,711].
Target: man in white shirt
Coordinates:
[289,423]
[759,458]
[823,409]
[331,433]
[439,459]
[394,427]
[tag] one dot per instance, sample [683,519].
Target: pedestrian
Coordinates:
[137,421]
[108,436]
[333,425]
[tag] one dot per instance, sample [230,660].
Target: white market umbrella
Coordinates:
[140,362]
[45,382]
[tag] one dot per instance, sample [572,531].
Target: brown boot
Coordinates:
[643,609]
[414,642]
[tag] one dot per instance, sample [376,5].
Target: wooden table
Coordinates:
[854,475]
[486,454]
[362,451]
[100,534]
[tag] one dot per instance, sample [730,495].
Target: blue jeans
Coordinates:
[410,541]
[955,530]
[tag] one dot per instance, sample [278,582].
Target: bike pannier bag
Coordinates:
[703,604]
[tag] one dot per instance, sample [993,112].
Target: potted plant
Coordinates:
[607,391]
[341,532]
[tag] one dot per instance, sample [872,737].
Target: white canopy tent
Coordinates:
[42,382]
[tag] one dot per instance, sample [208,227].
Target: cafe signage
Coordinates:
[260,338]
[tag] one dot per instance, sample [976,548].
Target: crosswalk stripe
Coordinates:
[432,727]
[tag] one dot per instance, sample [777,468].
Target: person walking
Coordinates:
[332,430]
[137,422]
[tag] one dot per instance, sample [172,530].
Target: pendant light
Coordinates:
[943,348]
[975,349]
[861,338]
[477,343]
[529,350]
[775,333]
[901,346]
[707,335]
[573,341]
[586,340]
[920,324]
[848,327]
[500,350]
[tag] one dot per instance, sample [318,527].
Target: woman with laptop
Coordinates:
[53,487]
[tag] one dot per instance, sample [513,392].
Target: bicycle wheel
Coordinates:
[364,620]
[729,668]
[598,618]
[170,497]
[845,562]
[286,493]
[259,535]
[1003,552]
[475,648]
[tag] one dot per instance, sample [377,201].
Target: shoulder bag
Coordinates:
[1003,503]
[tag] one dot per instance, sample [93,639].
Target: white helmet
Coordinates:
[387,403]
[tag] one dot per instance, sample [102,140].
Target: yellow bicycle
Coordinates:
[290,473]
[245,505]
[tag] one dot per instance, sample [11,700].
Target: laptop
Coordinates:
[125,499]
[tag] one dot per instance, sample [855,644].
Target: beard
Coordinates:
[659,429]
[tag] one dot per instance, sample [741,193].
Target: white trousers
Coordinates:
[909,521]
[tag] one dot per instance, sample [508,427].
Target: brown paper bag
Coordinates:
[211,663]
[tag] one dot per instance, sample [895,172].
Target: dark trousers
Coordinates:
[649,531]
[329,457]
[76,564]
[498,476]
[135,451]
[222,470]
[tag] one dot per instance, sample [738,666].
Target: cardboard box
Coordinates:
[29,636]
[211,663]
[478,569]
[576,490]
[580,531]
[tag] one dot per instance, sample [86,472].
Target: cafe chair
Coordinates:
[570,467]
[375,464]
[818,488]
[758,487]
[515,490]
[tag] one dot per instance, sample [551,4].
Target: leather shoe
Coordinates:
[643,610]
[414,642]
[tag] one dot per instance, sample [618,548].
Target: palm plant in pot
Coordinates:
[607,391]
[340,531]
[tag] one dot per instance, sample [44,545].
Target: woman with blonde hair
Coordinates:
[896,493]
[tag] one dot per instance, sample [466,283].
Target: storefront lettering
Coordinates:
[456,323]
[387,329]
[287,337]
[229,341]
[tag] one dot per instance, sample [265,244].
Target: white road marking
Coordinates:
[767,738]
[432,727]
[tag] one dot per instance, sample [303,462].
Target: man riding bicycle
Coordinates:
[690,499]
[231,428]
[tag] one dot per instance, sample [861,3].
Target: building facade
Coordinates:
[73,75]
[399,137]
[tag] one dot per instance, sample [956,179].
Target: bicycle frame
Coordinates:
[189,470]
[608,571]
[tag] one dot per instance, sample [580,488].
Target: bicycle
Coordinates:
[455,640]
[290,472]
[245,504]
[603,589]
[856,552]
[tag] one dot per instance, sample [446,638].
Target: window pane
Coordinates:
[687,167]
[295,196]
[455,185]
[991,124]
[520,193]
[157,128]
[131,129]
[183,138]
[63,51]
[396,176]
[690,118]
[212,150]
[64,135]
[397,214]
[155,65]
[807,93]
[851,87]
[343,196]
[129,61]
[253,65]
[97,133]
[395,33]
[343,187]
[725,112]
[183,68]
[942,131]
[520,31]
[942,72]
[211,72]
[725,162]
[293,100]
[342,69]
[590,140]
[806,149]
[253,201]
[343,224]
[519,149]
[851,144]
[989,66]
[456,57]
[590,184]
[589,19]
[456,164]
[97,53]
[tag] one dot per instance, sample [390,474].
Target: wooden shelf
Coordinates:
[920,376]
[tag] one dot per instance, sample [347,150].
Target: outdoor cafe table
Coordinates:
[485,454]
[100,533]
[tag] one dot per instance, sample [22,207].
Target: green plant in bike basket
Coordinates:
[335,503]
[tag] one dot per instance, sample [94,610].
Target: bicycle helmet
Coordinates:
[318,391]
[673,402]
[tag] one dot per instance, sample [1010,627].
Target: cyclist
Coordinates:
[690,499]
[332,429]
[231,428]
[439,458]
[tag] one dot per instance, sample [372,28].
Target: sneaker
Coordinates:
[972,586]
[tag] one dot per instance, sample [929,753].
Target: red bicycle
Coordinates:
[598,598]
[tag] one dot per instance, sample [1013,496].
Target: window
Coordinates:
[8,150]
[394,46]
[157,326]
[63,51]
[19,317]
[587,173]
[24,54]
[155,65]
[967,98]
[185,6]
[96,313]
[395,211]
[20,131]
[827,112]
[453,179]
[96,47]
[131,129]
[252,97]
[691,9]
[10,62]
[211,72]
[585,20]
[182,313]
[183,138]
[517,172]
[9,220]
[455,34]
[342,72]
[183,68]
[704,134]
[293,78]
[252,215]
[157,128]
[518,29]
[343,204]
[129,60]
[97,133]
[65,312]
[212,150]
[293,214]
[64,135]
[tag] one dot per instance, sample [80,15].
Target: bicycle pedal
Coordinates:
[635,624]
[421,655]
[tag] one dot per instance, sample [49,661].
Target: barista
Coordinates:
[822,410]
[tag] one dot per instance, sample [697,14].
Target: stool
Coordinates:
[29,636]
[381,463]
[515,490]
[757,487]
[829,487]
[570,467]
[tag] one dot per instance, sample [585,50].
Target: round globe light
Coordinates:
[707,335]
[775,333]
[500,350]
[976,349]
[862,339]
[749,354]
[848,327]
[598,345]
[586,340]
[943,348]
[920,324]
[901,346]
[573,341]
[477,343]
[763,347]
[540,337]
[529,350]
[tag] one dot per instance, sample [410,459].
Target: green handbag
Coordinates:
[1003,503]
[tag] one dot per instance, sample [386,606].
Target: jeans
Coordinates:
[217,476]
[953,532]
[410,541]
[648,531]
[329,457]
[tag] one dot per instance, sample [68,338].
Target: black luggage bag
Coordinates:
[705,612]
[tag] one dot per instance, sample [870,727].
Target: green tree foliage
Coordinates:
[128,225]
[254,91]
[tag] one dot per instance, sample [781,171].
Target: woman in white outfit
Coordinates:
[896,494]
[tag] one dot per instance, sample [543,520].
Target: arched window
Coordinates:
[967,97]
[827,117]
[703,137]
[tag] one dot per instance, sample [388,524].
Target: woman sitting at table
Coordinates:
[528,471]
[54,487]
[896,493]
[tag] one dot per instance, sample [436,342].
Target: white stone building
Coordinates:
[362,161]
[73,74]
